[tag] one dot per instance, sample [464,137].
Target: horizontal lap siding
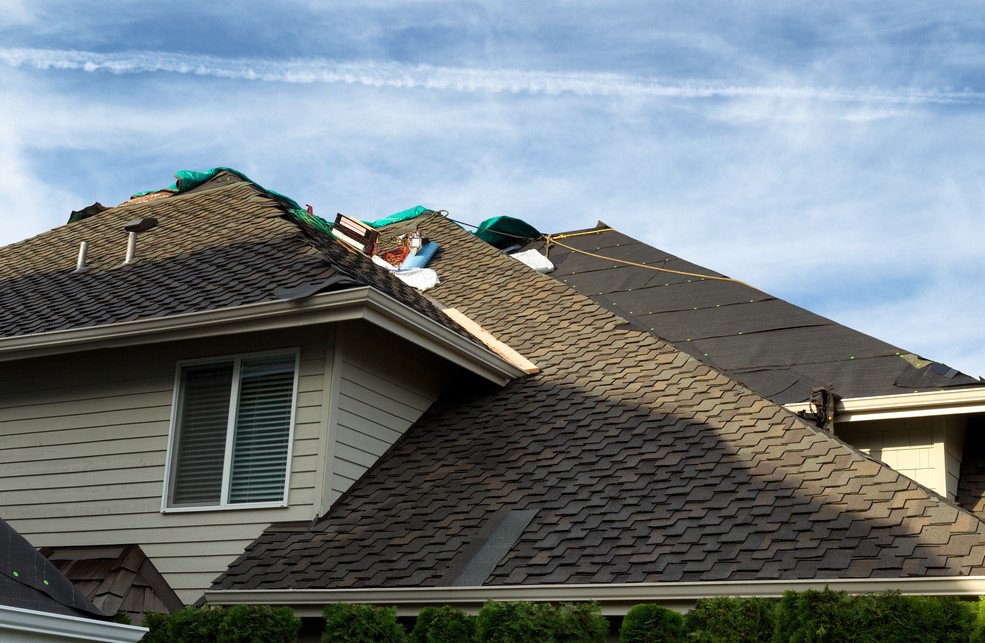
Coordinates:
[385,385]
[83,444]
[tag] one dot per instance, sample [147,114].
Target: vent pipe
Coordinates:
[80,265]
[133,227]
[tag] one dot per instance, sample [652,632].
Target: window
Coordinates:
[231,436]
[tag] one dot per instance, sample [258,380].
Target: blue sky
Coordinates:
[828,153]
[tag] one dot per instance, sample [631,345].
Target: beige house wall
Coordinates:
[84,437]
[383,385]
[925,449]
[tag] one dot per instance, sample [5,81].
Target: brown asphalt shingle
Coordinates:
[639,462]
[213,248]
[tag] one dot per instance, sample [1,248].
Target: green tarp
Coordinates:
[499,231]
[506,231]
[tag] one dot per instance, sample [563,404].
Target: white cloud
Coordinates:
[373,73]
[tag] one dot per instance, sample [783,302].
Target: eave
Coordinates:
[884,407]
[614,599]
[31,625]
[363,303]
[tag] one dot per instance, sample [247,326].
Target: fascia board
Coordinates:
[946,402]
[351,304]
[59,627]
[614,599]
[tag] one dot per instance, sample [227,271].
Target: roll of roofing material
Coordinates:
[423,256]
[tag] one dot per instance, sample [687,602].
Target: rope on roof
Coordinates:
[553,241]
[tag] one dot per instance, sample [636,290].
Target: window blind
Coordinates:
[203,420]
[262,430]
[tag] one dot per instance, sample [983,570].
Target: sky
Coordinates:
[832,154]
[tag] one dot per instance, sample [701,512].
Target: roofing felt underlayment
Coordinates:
[29,581]
[624,460]
[772,346]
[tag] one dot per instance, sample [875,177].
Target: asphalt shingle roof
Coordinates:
[624,460]
[227,243]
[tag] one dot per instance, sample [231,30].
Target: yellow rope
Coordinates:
[551,240]
[580,234]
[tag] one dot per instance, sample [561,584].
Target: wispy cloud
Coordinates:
[374,73]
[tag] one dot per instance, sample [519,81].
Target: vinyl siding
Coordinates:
[925,449]
[83,445]
[384,385]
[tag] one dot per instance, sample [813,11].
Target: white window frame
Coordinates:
[224,504]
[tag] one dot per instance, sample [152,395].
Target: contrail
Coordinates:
[392,74]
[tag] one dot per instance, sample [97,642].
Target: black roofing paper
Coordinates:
[772,346]
[29,581]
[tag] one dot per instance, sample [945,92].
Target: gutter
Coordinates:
[944,402]
[614,599]
[363,303]
[58,627]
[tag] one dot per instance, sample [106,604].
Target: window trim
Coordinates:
[169,464]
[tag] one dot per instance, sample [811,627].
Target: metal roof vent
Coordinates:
[133,227]
[80,264]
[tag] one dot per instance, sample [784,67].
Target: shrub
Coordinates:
[816,617]
[647,623]
[237,624]
[190,625]
[813,617]
[259,624]
[943,619]
[349,623]
[978,626]
[442,625]
[524,622]
[511,622]
[122,618]
[422,625]
[580,622]
[736,620]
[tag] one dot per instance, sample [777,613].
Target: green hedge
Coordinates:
[443,625]
[736,620]
[238,624]
[798,617]
[352,623]
[522,622]
[646,623]
[817,617]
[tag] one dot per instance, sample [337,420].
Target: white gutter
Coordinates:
[614,599]
[31,625]
[879,407]
[355,303]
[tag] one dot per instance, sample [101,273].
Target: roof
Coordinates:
[772,346]
[29,581]
[116,578]
[224,243]
[625,460]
